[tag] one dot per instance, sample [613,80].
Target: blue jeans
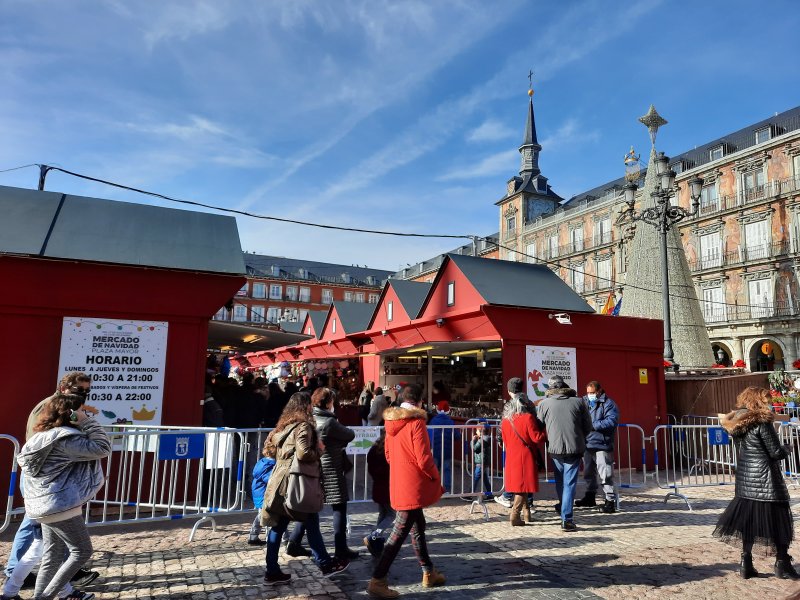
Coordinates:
[481,475]
[315,542]
[566,472]
[22,541]
[446,471]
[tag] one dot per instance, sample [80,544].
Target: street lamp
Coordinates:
[662,216]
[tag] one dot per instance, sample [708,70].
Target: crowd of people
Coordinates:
[303,465]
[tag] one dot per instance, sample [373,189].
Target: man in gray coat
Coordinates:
[567,422]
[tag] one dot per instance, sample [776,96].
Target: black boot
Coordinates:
[296,550]
[784,568]
[609,506]
[746,568]
[587,500]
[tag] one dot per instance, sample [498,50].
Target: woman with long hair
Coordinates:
[521,432]
[62,472]
[295,433]
[759,514]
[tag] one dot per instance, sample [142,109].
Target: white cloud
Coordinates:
[568,136]
[501,163]
[491,130]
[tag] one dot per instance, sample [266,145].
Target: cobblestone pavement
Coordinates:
[648,550]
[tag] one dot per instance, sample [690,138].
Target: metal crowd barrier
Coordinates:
[692,456]
[12,482]
[699,420]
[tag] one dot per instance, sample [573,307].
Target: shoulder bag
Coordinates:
[304,493]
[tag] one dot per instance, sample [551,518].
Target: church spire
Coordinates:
[530,147]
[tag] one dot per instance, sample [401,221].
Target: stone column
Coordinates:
[738,350]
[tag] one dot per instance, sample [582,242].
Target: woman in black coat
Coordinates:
[759,514]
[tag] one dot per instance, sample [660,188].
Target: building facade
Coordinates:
[282,290]
[743,248]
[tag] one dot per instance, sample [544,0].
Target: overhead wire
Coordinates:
[18,168]
[473,238]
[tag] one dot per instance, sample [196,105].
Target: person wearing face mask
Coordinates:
[598,460]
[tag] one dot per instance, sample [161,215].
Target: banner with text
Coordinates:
[541,362]
[125,360]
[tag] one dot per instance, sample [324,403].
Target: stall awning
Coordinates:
[243,338]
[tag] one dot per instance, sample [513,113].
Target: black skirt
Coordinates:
[767,525]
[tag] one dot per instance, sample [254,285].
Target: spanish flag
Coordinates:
[608,307]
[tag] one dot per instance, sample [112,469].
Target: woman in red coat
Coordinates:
[521,433]
[414,483]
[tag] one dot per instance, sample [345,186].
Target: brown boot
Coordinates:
[432,578]
[378,588]
[527,513]
[514,516]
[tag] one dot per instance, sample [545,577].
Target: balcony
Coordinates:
[597,284]
[750,196]
[740,256]
[723,313]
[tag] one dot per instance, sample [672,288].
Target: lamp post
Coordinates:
[663,216]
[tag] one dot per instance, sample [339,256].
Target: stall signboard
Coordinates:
[125,360]
[364,440]
[542,362]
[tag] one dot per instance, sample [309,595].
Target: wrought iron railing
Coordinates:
[742,255]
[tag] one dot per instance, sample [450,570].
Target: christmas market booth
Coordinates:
[121,291]
[481,322]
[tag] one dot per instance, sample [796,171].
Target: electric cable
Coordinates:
[18,168]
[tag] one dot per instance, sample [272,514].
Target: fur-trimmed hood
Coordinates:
[738,421]
[397,417]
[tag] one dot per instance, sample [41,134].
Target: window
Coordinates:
[359,296]
[373,298]
[259,290]
[273,314]
[302,315]
[242,291]
[713,305]
[577,277]
[760,298]
[552,245]
[327,296]
[753,182]
[762,135]
[576,239]
[305,294]
[708,198]
[348,296]
[275,292]
[511,255]
[389,310]
[291,293]
[710,253]
[602,231]
[604,273]
[677,167]
[511,225]
[333,326]
[222,315]
[796,162]
[716,153]
[530,250]
[240,312]
[290,315]
[257,314]
[756,240]
[451,293]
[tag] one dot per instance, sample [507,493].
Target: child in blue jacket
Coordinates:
[261,473]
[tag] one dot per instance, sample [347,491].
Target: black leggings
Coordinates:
[782,552]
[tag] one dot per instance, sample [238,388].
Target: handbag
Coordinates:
[304,492]
[534,449]
[347,464]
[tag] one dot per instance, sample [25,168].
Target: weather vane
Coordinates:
[530,82]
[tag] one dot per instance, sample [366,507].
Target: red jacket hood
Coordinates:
[396,418]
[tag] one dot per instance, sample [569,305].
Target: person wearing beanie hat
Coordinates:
[514,386]
[517,394]
[567,421]
[443,435]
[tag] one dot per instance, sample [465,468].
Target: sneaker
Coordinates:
[78,595]
[347,554]
[294,549]
[374,545]
[609,506]
[568,526]
[84,577]
[334,567]
[557,508]
[256,542]
[587,501]
[274,578]
[503,501]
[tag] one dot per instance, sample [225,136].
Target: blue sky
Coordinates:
[386,115]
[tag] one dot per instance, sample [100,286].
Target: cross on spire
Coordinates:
[530,79]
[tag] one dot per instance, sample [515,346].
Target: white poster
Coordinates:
[364,440]
[541,362]
[125,360]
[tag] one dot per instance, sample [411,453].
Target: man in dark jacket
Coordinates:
[598,460]
[567,421]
